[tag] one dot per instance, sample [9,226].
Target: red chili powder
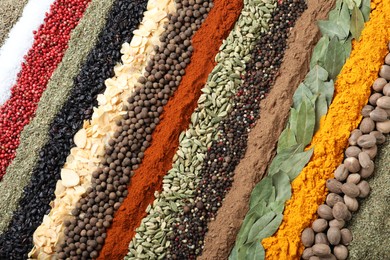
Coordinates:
[174,119]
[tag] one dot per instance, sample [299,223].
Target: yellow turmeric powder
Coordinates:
[352,90]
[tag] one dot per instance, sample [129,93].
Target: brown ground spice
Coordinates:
[175,119]
[263,137]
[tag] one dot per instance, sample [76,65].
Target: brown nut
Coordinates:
[372,151]
[367,172]
[364,188]
[307,237]
[383,127]
[325,212]
[340,211]
[387,59]
[334,185]
[314,258]
[383,102]
[367,110]
[319,225]
[307,253]
[346,236]
[333,198]
[380,138]
[354,178]
[386,89]
[378,85]
[333,235]
[341,252]
[385,72]
[355,134]
[367,125]
[321,250]
[339,223]
[352,203]
[352,151]
[366,141]
[321,238]
[341,173]
[364,158]
[352,164]
[373,98]
[350,189]
[378,115]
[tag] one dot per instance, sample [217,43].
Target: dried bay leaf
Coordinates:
[261,191]
[295,164]
[255,251]
[348,46]
[357,23]
[305,122]
[259,225]
[314,80]
[365,8]
[301,91]
[331,29]
[335,58]
[282,186]
[286,139]
[283,156]
[319,52]
[340,15]
[321,109]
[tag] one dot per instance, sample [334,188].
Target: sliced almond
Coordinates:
[69,178]
[80,138]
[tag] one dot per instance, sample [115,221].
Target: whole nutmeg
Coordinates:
[329,257]
[352,164]
[346,236]
[314,257]
[364,159]
[378,115]
[378,85]
[367,125]
[367,172]
[380,138]
[325,212]
[371,152]
[383,102]
[367,110]
[364,189]
[340,211]
[321,238]
[366,141]
[374,97]
[350,189]
[341,252]
[355,134]
[385,72]
[319,225]
[387,59]
[386,89]
[307,237]
[333,235]
[341,172]
[352,203]
[307,253]
[334,185]
[321,250]
[339,223]
[333,198]
[354,178]
[352,151]
[383,127]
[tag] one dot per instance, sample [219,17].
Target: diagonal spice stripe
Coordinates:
[79,106]
[329,142]
[10,11]
[125,151]
[175,118]
[18,43]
